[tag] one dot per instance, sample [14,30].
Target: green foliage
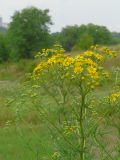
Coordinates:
[25,143]
[115,38]
[71,36]
[3,48]
[100,34]
[55,37]
[86,41]
[28,32]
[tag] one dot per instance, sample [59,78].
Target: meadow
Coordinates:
[24,135]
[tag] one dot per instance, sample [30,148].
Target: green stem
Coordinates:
[82,134]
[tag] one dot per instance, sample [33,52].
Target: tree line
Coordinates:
[29,32]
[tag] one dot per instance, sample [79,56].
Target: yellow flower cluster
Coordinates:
[97,56]
[57,49]
[93,72]
[105,74]
[103,50]
[114,97]
[83,67]
[60,59]
[109,52]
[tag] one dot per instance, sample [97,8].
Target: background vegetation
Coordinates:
[29,32]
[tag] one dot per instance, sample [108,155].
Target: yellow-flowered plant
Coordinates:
[69,81]
[85,67]
[57,49]
[113,98]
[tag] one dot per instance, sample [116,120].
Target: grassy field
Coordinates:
[16,143]
[28,139]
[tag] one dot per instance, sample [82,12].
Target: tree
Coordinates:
[100,34]
[86,41]
[69,36]
[3,48]
[29,32]
[56,37]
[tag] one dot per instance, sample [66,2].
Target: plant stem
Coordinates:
[82,144]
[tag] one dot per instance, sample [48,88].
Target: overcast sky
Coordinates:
[70,12]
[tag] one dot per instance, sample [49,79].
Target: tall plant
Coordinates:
[71,82]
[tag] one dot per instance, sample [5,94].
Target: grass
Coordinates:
[19,142]
[24,144]
[32,141]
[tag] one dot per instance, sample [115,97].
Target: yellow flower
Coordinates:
[92,72]
[89,53]
[113,98]
[90,62]
[78,69]
[99,57]
[68,61]
[106,74]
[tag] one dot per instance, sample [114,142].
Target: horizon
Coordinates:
[7,23]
